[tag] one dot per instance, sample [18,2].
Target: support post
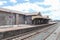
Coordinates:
[17,19]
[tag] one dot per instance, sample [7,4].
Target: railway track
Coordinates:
[28,34]
[42,35]
[55,35]
[45,34]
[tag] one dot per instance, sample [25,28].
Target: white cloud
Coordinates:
[55,15]
[55,8]
[55,5]
[2,2]
[25,6]
[27,0]
[13,1]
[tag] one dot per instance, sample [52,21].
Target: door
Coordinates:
[2,20]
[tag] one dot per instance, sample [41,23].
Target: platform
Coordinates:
[18,27]
[14,30]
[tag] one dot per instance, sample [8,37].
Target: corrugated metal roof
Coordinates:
[33,17]
[18,12]
[14,11]
[33,13]
[11,11]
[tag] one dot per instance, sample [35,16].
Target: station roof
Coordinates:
[18,12]
[44,17]
[10,11]
[33,14]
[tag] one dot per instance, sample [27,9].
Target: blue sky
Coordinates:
[46,7]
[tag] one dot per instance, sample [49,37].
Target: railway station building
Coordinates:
[12,17]
[39,19]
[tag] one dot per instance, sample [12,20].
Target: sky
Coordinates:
[46,7]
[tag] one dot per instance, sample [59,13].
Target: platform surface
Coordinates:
[18,27]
